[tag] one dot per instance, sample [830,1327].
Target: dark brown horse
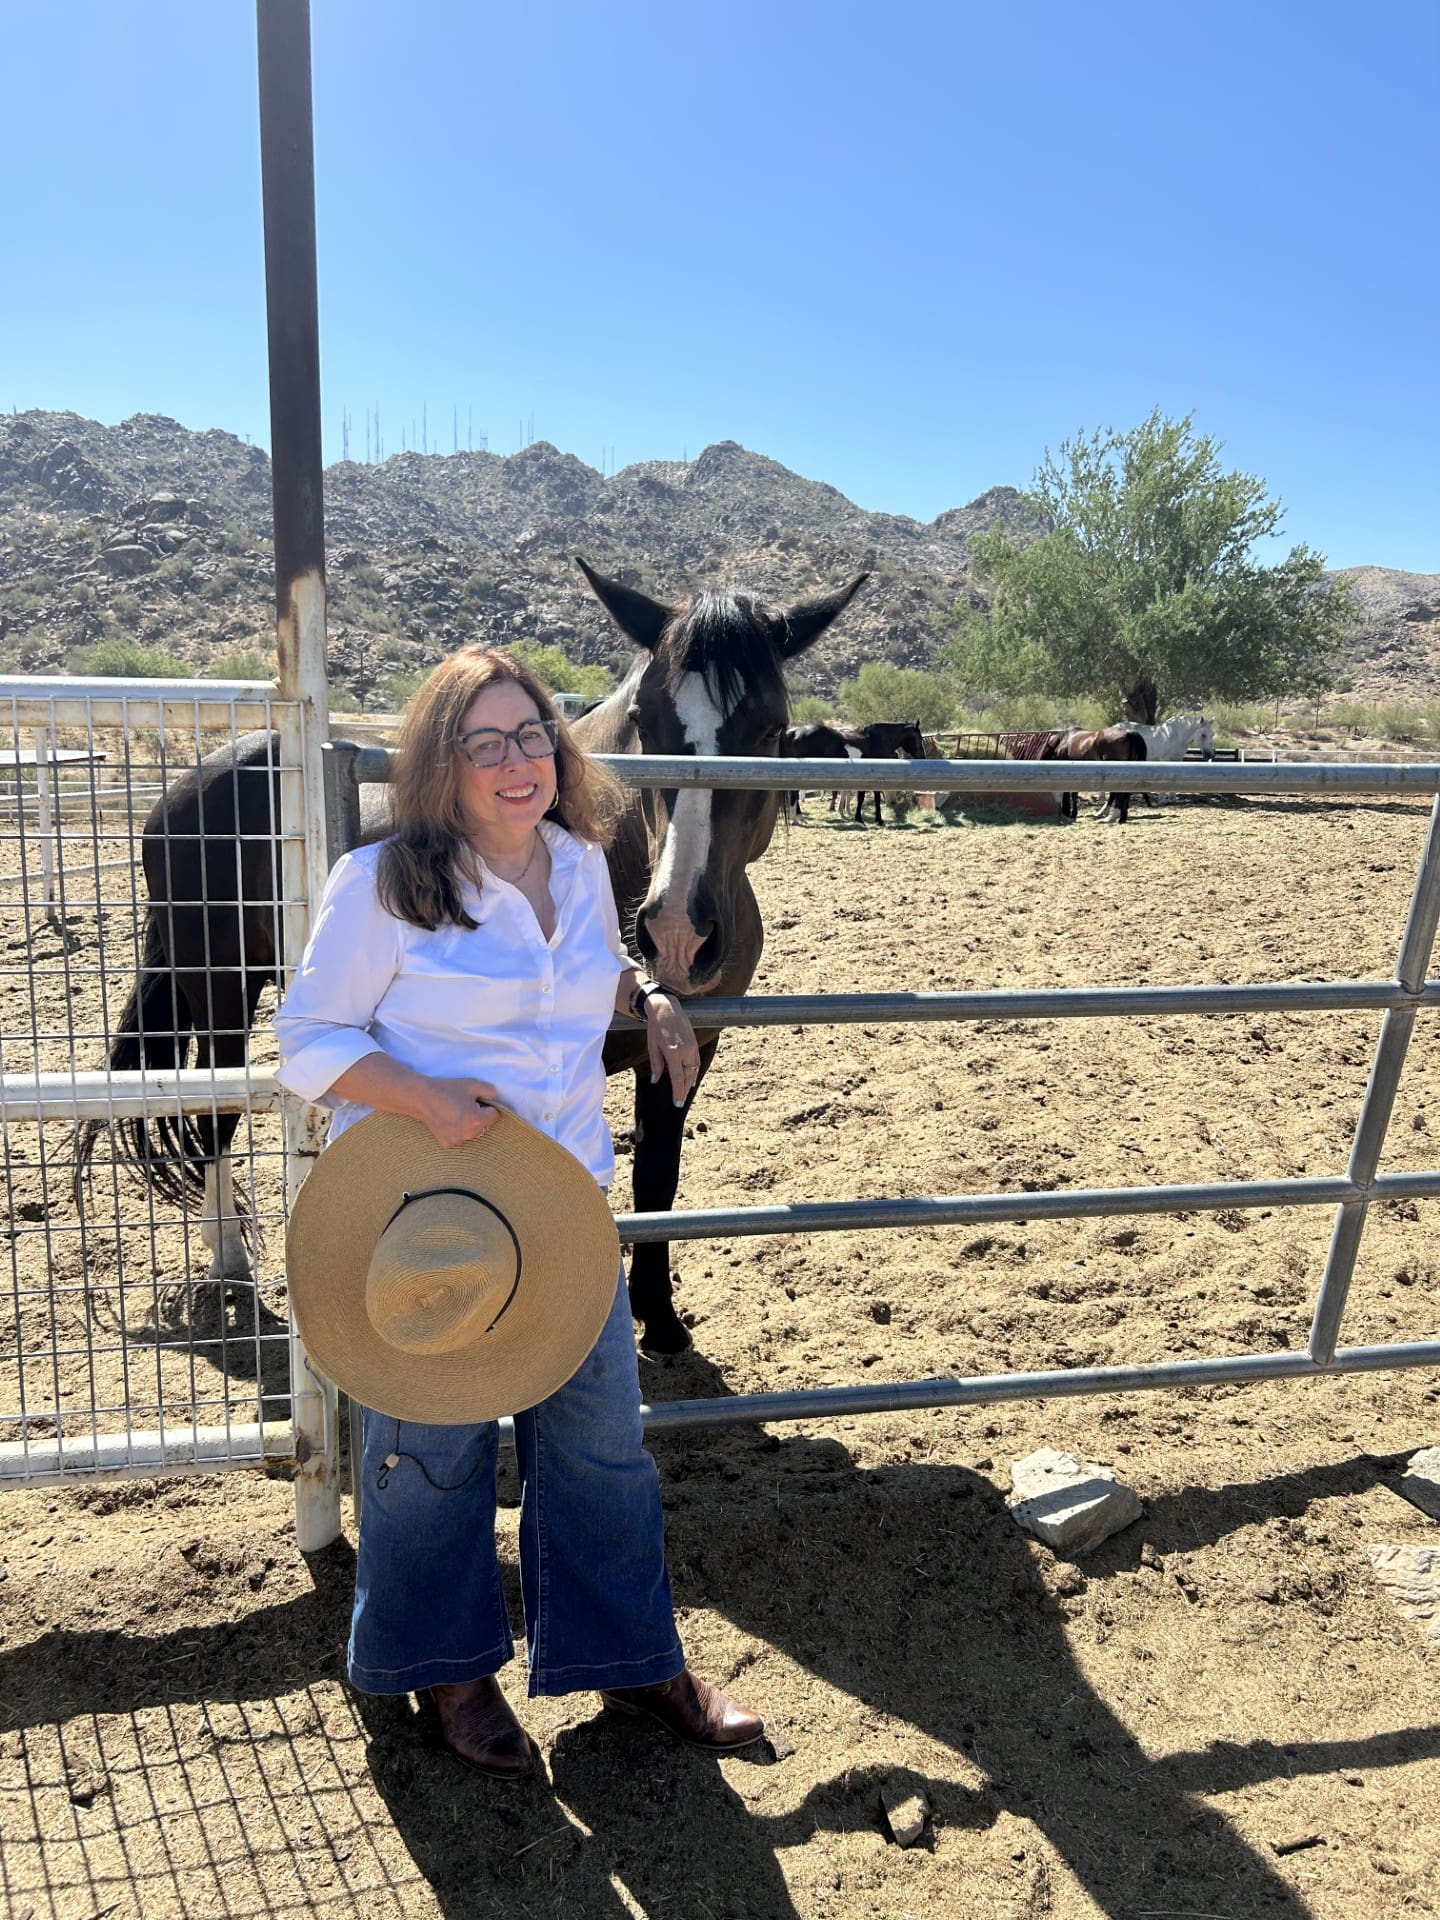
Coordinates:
[882,740]
[709,679]
[817,742]
[1103,743]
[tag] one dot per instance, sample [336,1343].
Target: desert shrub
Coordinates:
[560,674]
[1235,717]
[809,710]
[1032,712]
[1404,720]
[399,689]
[881,691]
[246,665]
[126,660]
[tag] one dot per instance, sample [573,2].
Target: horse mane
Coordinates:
[730,639]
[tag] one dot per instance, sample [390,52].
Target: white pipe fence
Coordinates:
[114,1355]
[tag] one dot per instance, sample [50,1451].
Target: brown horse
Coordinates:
[1102,743]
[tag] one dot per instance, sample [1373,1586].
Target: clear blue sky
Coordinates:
[900,247]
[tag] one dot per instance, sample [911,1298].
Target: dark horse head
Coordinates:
[709,680]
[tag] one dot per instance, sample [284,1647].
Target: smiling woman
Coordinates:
[471,961]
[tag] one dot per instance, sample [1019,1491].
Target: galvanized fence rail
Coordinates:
[1400,1000]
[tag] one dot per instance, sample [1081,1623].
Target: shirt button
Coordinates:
[546,987]
[555,1069]
[549,1116]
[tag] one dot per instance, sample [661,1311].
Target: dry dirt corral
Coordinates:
[1147,1733]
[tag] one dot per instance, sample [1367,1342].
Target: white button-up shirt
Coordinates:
[497,1002]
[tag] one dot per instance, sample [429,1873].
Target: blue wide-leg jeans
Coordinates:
[429,1605]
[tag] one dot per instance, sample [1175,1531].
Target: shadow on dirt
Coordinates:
[906,1588]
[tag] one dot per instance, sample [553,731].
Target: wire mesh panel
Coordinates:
[142,1306]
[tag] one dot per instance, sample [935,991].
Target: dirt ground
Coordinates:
[1218,1713]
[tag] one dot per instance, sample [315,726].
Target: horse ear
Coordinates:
[805,624]
[642,619]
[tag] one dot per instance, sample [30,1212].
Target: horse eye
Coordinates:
[632,712]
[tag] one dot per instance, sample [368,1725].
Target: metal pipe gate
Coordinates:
[1400,999]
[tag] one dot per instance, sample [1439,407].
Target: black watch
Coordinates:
[642,993]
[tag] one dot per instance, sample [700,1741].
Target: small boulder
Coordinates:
[128,560]
[1420,1482]
[906,1810]
[1072,1505]
[1411,1577]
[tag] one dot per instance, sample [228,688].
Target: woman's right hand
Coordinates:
[456,1111]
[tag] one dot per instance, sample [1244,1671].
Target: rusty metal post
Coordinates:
[287,165]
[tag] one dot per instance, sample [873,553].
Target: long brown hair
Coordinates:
[428,854]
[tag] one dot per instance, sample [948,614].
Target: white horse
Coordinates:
[1171,740]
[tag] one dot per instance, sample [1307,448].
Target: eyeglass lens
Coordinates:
[485,747]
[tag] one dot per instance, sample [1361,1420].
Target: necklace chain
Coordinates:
[514,880]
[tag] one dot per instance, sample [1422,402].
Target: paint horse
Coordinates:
[708,679]
[1104,743]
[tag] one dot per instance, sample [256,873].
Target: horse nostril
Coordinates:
[644,939]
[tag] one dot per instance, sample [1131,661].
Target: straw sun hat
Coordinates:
[449,1284]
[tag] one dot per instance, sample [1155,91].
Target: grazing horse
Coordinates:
[817,742]
[883,740]
[1104,743]
[709,679]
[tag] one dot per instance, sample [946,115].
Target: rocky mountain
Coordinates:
[1395,651]
[149,533]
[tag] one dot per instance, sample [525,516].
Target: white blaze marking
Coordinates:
[687,839]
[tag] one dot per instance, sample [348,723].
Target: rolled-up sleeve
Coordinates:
[354,952]
[600,870]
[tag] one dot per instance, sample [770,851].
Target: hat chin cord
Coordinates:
[468,1193]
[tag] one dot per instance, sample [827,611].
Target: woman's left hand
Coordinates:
[672,1044]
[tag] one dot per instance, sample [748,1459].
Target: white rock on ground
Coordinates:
[905,1811]
[1420,1482]
[1411,1577]
[1072,1505]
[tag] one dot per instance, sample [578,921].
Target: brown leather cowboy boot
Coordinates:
[477,1725]
[691,1709]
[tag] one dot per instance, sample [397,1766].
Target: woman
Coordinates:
[475,958]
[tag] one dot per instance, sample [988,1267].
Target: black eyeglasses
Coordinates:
[485,746]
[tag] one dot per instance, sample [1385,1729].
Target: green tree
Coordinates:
[884,692]
[1150,570]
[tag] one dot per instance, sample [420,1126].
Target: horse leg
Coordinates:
[221,1227]
[225,1229]
[659,1135]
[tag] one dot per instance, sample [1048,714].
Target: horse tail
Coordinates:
[155,1030]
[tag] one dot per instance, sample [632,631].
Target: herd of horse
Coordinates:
[708,678]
